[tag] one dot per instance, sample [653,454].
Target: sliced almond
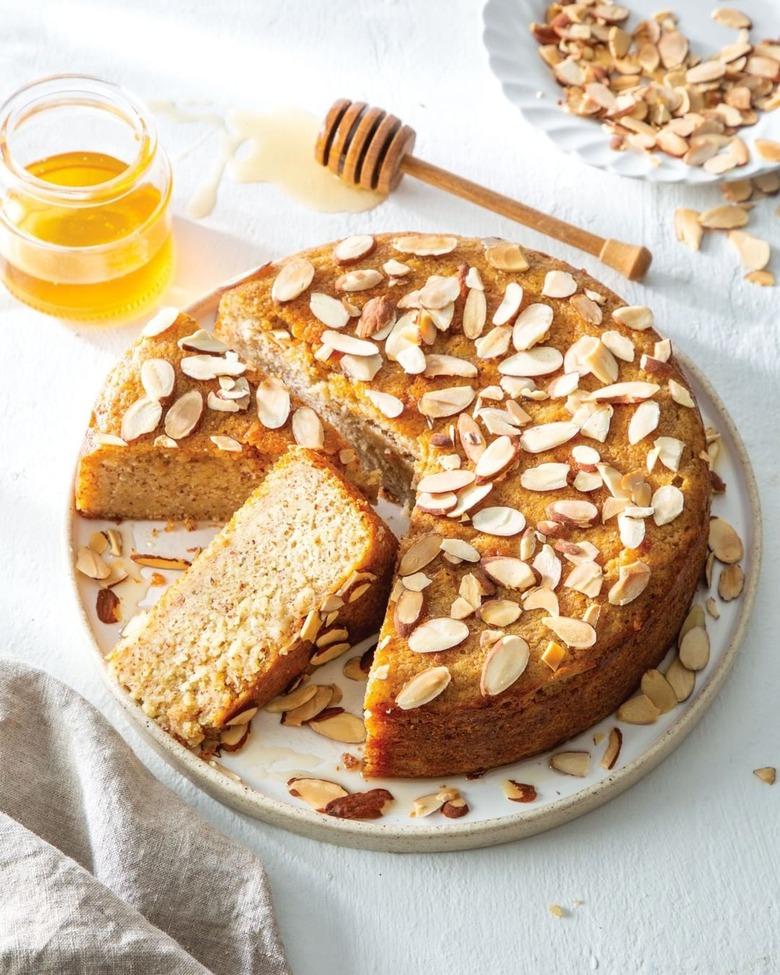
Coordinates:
[632,582]
[659,690]
[575,763]
[273,403]
[345,727]
[157,378]
[494,460]
[161,322]
[510,304]
[387,404]
[500,520]
[631,392]
[725,217]
[575,633]
[637,317]
[694,652]
[422,552]
[729,17]
[499,612]
[768,149]
[539,361]
[307,428]
[531,326]
[731,582]
[753,253]
[612,751]
[445,402]
[667,503]
[292,280]
[518,791]
[184,415]
[724,542]
[437,634]
[681,680]
[443,481]
[140,418]
[449,365]
[688,228]
[767,774]
[644,421]
[328,310]
[474,313]
[638,710]
[546,436]
[558,284]
[505,256]
[505,663]
[423,688]
[407,612]
[360,280]
[316,793]
[545,477]
[425,245]
[353,248]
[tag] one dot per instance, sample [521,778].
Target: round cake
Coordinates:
[555,460]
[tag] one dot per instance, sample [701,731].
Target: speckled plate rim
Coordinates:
[452,835]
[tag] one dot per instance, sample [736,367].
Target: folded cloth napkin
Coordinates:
[103,870]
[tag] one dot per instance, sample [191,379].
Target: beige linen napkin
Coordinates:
[103,870]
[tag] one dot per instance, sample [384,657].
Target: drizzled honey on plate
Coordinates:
[84,232]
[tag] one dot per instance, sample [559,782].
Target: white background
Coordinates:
[679,875]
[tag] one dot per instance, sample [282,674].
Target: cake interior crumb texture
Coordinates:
[226,635]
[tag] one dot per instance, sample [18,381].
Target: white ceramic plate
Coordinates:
[274,753]
[528,83]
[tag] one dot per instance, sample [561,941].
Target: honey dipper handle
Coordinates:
[628,259]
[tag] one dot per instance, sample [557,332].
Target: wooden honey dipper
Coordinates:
[366,147]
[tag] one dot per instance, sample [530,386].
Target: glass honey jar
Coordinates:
[85,224]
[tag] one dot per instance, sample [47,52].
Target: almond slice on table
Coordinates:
[688,228]
[575,633]
[768,149]
[518,791]
[505,663]
[423,688]
[680,679]
[328,310]
[140,418]
[295,699]
[307,428]
[724,217]
[575,763]
[292,280]
[500,520]
[437,634]
[353,248]
[359,805]
[731,582]
[754,254]
[768,774]
[655,686]
[90,564]
[184,415]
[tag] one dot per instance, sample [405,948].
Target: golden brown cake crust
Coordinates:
[466,727]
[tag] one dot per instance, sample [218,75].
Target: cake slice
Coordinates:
[184,430]
[304,555]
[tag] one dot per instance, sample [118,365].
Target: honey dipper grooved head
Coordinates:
[363,145]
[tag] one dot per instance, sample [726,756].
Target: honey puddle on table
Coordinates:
[274,147]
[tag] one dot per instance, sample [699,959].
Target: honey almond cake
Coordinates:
[556,460]
[183,430]
[305,559]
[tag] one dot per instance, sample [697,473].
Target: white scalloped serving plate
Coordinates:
[529,84]
[274,752]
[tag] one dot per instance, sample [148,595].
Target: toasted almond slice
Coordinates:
[724,542]
[90,564]
[307,428]
[753,253]
[768,774]
[292,280]
[345,727]
[688,228]
[548,565]
[184,415]
[157,378]
[667,502]
[575,763]
[632,582]
[395,269]
[546,436]
[730,17]
[612,751]
[204,367]
[494,460]
[226,443]
[445,402]
[348,344]
[202,341]
[575,633]
[443,481]
[659,690]
[531,326]
[644,421]
[273,403]
[449,365]
[731,582]
[695,617]
[353,669]
[109,440]
[541,598]
[328,310]
[510,304]
[509,571]
[474,313]
[353,248]
[360,280]
[680,394]
[243,718]
[363,368]
[558,284]
[494,344]
[694,650]
[545,477]
[316,793]
[408,610]
[469,497]
[763,278]
[518,791]
[704,72]
[423,688]
[161,322]
[160,561]
[140,418]
[630,392]
[460,549]
[425,245]
[573,512]
[388,405]
[437,634]
[672,48]
[499,612]
[638,710]
[768,149]
[539,361]
[587,578]
[426,805]
[419,554]
[681,680]
[725,217]
[505,256]
[505,663]
[637,317]
[500,520]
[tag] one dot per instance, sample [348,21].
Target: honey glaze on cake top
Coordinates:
[560,479]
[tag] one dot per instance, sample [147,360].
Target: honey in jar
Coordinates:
[85,227]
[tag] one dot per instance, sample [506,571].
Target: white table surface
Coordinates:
[680,874]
